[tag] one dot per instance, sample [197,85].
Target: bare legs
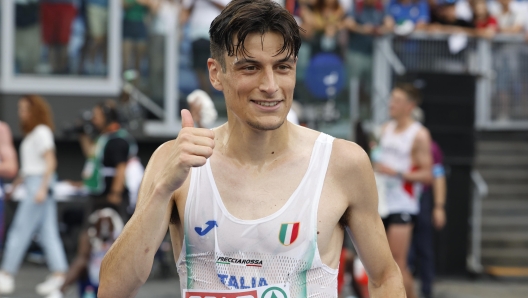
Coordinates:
[399,236]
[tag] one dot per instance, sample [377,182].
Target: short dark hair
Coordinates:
[243,17]
[109,109]
[413,94]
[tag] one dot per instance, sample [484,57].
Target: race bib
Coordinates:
[273,291]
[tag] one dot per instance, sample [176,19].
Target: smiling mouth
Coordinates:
[267,103]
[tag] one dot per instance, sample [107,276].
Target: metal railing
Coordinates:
[500,66]
[479,194]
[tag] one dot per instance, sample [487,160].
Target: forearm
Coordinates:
[439,191]
[421,176]
[127,264]
[87,145]
[51,166]
[118,183]
[75,271]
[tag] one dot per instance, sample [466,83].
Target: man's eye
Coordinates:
[250,68]
[284,67]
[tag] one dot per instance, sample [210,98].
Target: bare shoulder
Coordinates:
[348,158]
[160,154]
[350,172]
[423,135]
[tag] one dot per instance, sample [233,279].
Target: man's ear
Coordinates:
[215,70]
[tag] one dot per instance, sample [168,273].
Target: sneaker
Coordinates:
[52,284]
[7,284]
[55,294]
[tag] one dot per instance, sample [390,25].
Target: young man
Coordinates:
[405,163]
[263,210]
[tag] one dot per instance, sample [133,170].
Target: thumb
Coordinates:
[187,120]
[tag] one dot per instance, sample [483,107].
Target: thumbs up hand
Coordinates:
[192,148]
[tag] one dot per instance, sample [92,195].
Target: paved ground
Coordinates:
[30,275]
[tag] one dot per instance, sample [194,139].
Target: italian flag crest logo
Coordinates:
[289,232]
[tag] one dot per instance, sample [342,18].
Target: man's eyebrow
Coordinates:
[288,59]
[251,61]
[244,61]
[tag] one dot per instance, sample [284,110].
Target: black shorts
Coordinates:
[201,52]
[399,219]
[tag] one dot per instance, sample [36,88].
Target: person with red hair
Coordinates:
[37,212]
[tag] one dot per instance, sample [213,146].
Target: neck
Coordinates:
[403,122]
[251,146]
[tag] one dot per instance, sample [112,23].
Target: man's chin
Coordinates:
[263,126]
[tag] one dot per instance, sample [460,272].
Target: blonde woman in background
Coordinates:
[37,212]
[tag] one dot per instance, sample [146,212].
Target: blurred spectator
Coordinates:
[200,14]
[511,18]
[447,21]
[105,171]
[463,9]
[404,164]
[431,216]
[27,35]
[37,212]
[8,169]
[408,15]
[97,15]
[325,21]
[56,18]
[104,225]
[485,24]
[366,21]
[164,19]
[134,34]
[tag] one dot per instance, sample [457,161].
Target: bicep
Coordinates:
[364,221]
[422,151]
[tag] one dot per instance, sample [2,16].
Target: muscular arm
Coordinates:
[422,159]
[8,156]
[364,222]
[128,263]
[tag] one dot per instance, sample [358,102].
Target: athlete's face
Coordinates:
[400,106]
[258,87]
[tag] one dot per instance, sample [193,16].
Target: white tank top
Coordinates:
[223,253]
[396,152]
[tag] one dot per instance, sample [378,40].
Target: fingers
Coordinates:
[187,119]
[197,150]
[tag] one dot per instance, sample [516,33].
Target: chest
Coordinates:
[251,192]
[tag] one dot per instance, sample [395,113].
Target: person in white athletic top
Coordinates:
[405,164]
[258,206]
